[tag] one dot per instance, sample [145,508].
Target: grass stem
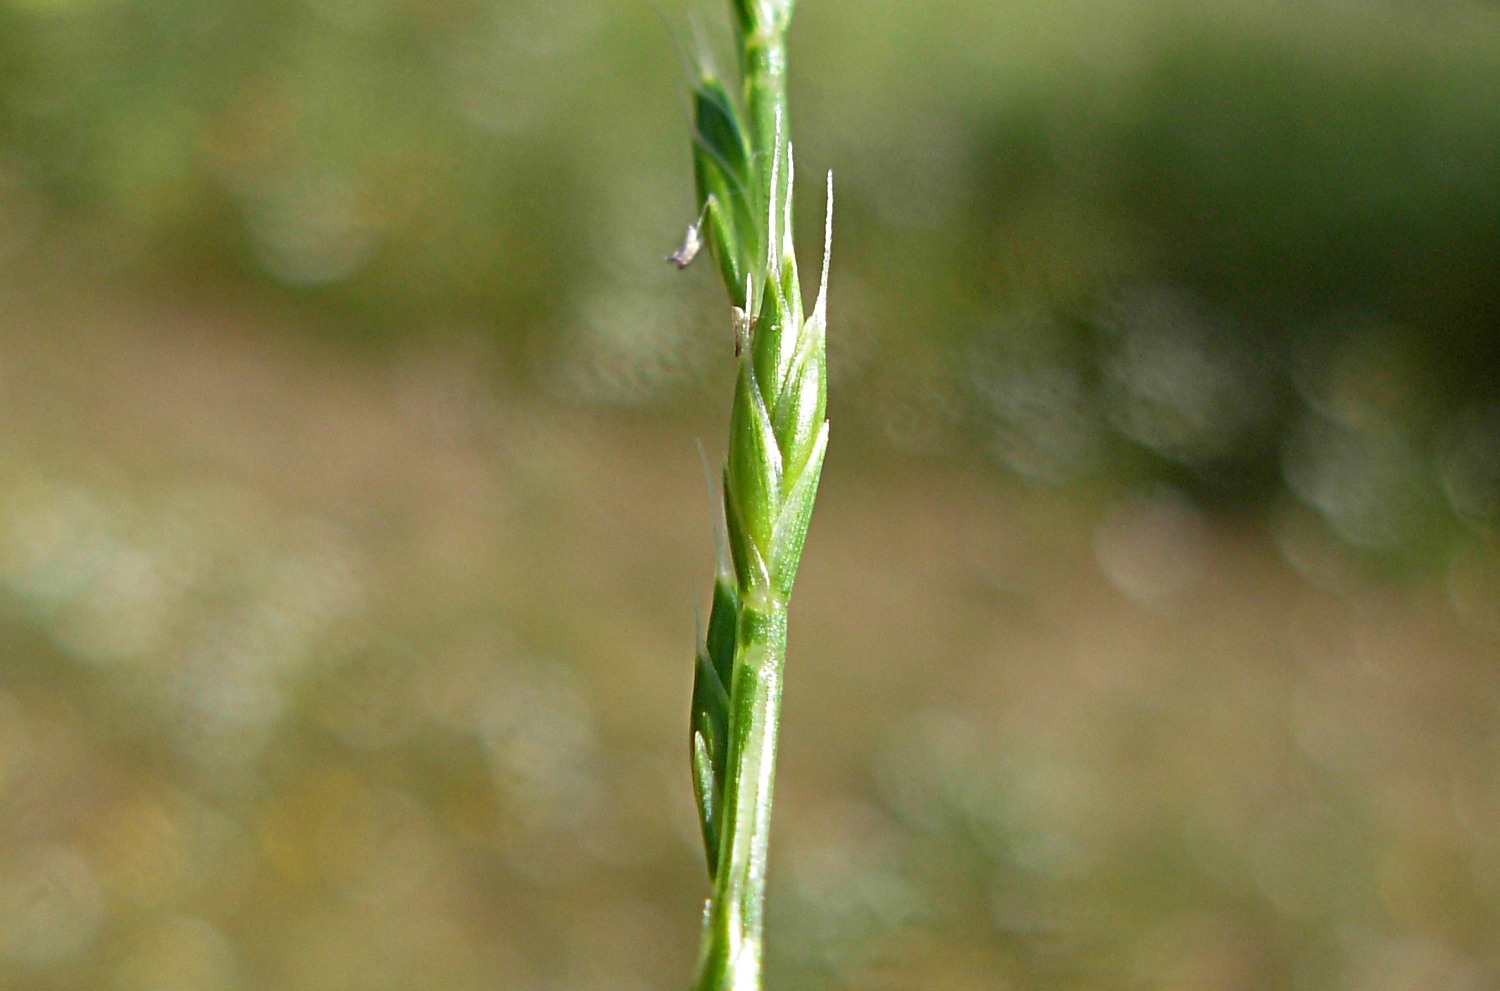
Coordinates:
[778,434]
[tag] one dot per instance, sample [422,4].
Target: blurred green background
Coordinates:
[351,520]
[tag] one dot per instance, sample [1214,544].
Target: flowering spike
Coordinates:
[746,171]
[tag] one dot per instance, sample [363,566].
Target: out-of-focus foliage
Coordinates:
[349,512]
[1120,239]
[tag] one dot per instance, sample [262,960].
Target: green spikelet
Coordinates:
[778,434]
[722,169]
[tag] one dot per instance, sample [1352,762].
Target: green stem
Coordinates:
[763,64]
[734,926]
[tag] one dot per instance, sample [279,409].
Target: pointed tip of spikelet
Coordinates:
[820,308]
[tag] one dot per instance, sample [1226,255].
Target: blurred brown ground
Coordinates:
[339,669]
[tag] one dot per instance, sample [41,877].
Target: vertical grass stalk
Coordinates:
[744,169]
